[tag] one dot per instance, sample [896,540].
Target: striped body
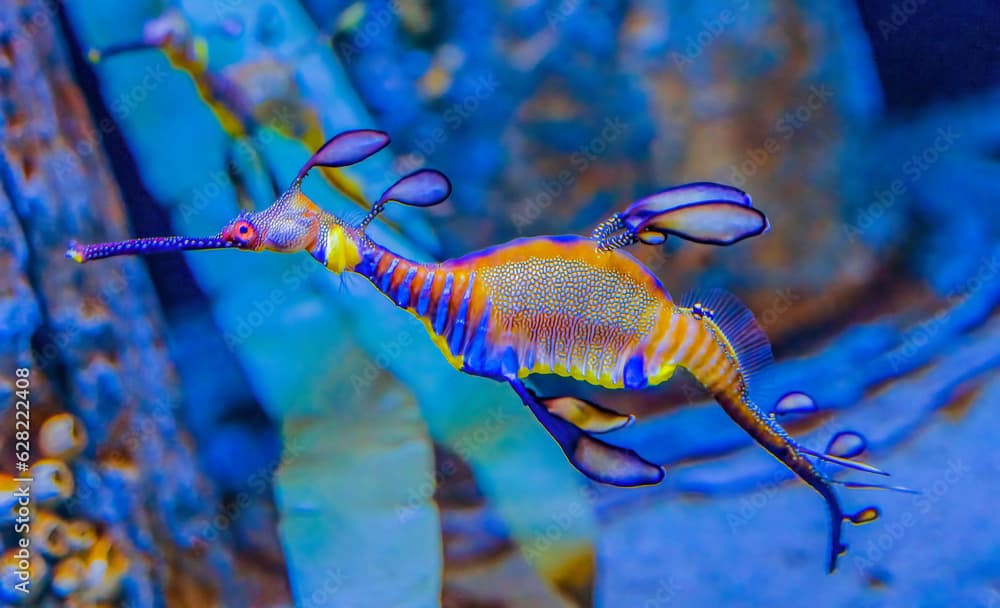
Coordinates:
[553,305]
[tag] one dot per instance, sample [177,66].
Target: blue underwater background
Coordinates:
[250,430]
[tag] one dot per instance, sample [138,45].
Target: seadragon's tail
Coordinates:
[733,376]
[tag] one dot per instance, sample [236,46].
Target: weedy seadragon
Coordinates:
[568,305]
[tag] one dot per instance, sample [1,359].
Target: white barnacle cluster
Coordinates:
[70,558]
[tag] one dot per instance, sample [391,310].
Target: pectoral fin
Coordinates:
[594,458]
[587,415]
[611,464]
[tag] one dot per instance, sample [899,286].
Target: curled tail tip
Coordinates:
[835,554]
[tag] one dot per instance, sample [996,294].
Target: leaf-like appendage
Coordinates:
[422,188]
[846,444]
[794,403]
[347,148]
[703,212]
[714,223]
[588,416]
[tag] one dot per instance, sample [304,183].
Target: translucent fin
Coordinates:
[703,212]
[794,402]
[854,485]
[587,415]
[687,194]
[846,444]
[611,464]
[422,188]
[594,458]
[737,323]
[345,149]
[851,464]
[711,223]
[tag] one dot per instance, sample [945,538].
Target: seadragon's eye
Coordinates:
[242,233]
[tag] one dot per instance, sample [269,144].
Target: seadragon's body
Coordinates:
[567,305]
[534,306]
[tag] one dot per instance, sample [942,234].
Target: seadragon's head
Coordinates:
[293,222]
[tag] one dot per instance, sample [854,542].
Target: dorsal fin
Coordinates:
[738,325]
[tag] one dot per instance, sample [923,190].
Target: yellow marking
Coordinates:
[662,374]
[456,361]
[200,48]
[341,252]
[542,367]
[197,70]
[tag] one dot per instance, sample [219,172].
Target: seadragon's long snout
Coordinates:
[157,244]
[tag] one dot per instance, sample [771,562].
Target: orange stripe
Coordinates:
[397,274]
[383,264]
[680,339]
[710,371]
[663,342]
[700,360]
